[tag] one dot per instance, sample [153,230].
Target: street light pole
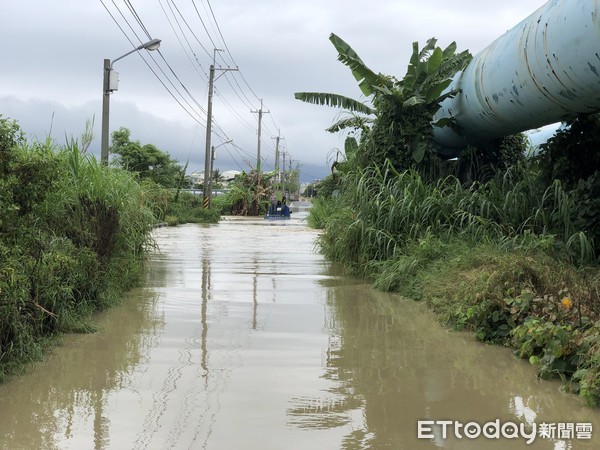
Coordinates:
[212,158]
[110,83]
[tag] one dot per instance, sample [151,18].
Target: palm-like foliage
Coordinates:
[369,82]
[352,120]
[334,100]
[217,176]
[404,108]
[430,73]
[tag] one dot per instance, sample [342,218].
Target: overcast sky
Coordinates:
[53,51]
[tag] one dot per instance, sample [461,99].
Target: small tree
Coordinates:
[217,178]
[249,194]
[146,160]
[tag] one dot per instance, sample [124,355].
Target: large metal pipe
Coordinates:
[544,70]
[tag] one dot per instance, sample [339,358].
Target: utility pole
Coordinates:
[207,151]
[260,114]
[277,158]
[298,174]
[207,154]
[283,174]
[277,172]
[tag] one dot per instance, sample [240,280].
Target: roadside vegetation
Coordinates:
[72,236]
[163,179]
[248,195]
[74,232]
[496,243]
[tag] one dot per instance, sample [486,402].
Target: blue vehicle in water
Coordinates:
[278,209]
[278,212]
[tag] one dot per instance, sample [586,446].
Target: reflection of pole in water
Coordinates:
[206,276]
[254,295]
[100,422]
[274,285]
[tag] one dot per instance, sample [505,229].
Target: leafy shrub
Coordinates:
[189,208]
[587,378]
[547,345]
[571,156]
[72,235]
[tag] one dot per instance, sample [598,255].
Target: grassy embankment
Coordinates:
[73,234]
[503,259]
[183,207]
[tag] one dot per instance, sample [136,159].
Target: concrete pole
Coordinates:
[283,179]
[207,153]
[277,178]
[105,112]
[260,113]
[210,179]
[298,172]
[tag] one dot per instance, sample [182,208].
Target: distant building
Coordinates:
[229,175]
[197,178]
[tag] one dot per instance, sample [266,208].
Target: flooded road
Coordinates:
[244,338]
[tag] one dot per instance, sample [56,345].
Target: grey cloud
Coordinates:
[54,65]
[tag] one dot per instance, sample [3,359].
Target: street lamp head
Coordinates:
[150,45]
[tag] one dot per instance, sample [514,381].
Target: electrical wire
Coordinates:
[182,28]
[185,38]
[194,115]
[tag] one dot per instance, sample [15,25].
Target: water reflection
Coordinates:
[246,339]
[392,366]
[206,278]
[103,362]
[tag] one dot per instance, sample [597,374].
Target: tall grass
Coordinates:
[72,237]
[504,259]
[382,211]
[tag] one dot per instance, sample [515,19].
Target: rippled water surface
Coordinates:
[244,338]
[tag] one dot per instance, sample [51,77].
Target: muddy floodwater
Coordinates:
[243,337]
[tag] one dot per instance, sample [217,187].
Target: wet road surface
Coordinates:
[244,338]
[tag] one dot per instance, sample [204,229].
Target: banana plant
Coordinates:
[430,73]
[368,81]
[419,93]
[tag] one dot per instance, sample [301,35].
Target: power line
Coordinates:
[191,30]
[203,24]
[137,17]
[184,30]
[193,114]
[184,37]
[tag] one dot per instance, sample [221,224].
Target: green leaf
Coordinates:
[534,360]
[434,60]
[414,58]
[350,146]
[356,122]
[418,152]
[366,77]
[334,100]
[414,100]
[450,50]
[435,91]
[429,46]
